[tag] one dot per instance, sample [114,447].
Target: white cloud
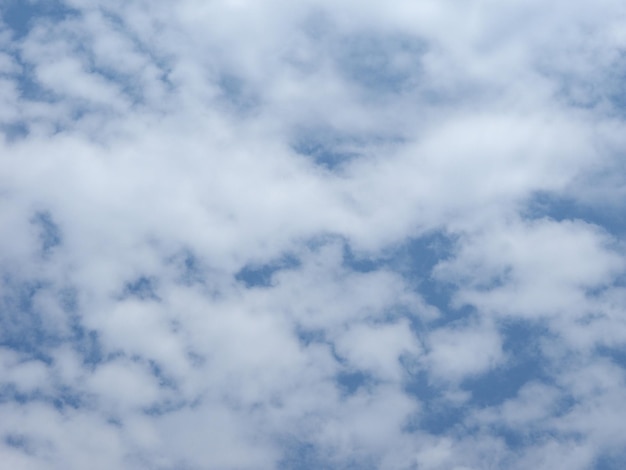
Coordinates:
[378,348]
[458,352]
[172,147]
[26,376]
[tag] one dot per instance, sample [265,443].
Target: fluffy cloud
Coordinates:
[311,235]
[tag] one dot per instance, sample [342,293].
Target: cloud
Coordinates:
[459,352]
[315,235]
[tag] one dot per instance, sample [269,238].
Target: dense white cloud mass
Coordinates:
[302,235]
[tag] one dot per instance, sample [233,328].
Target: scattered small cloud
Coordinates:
[312,235]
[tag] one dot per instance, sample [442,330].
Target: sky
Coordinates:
[283,235]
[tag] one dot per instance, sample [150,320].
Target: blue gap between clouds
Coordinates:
[616,354]
[525,363]
[19,15]
[414,260]
[378,63]
[191,268]
[237,94]
[118,23]
[561,208]
[577,91]
[63,397]
[381,64]
[20,442]
[614,459]
[143,288]
[188,268]
[327,148]
[434,418]
[21,328]
[164,380]
[260,275]
[349,381]
[300,454]
[49,232]
[334,149]
[489,389]
[30,90]
[14,131]
[84,341]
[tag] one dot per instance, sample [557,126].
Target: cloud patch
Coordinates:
[242,235]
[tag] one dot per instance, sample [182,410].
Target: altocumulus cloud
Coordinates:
[298,235]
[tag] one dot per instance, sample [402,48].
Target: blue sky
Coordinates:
[303,235]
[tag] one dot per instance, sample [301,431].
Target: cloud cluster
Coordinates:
[289,235]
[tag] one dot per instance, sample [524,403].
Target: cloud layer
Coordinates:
[278,235]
